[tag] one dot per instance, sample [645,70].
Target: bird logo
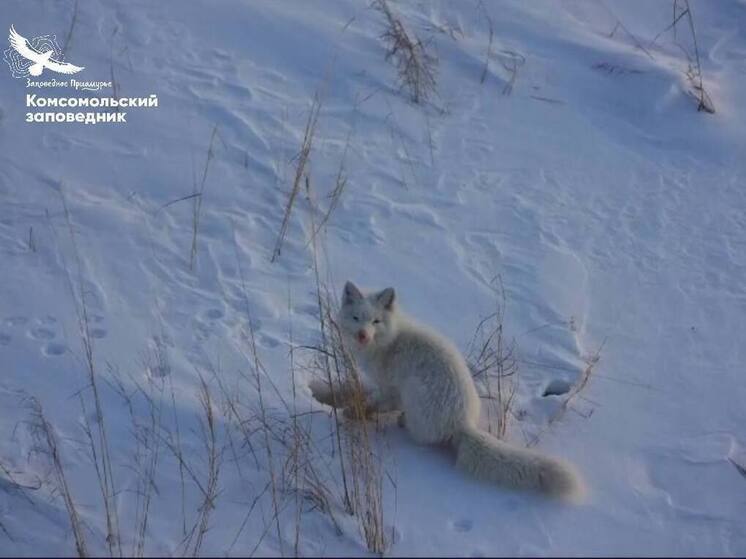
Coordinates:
[31,58]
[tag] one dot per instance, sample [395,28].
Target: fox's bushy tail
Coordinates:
[487,458]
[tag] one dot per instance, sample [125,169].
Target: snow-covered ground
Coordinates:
[610,207]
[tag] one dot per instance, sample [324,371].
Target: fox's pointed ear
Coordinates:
[350,294]
[386,298]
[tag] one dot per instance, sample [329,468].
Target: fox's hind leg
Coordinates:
[335,395]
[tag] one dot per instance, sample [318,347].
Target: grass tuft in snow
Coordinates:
[416,64]
[681,9]
[493,365]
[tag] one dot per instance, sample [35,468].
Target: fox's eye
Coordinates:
[355,318]
[376,321]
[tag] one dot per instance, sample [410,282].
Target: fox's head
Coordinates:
[367,320]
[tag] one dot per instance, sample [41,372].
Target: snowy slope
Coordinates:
[612,210]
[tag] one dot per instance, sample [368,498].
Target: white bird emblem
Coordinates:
[40,60]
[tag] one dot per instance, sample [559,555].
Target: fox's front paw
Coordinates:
[356,413]
[401,421]
[321,391]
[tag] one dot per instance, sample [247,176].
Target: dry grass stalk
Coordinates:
[70,30]
[11,485]
[259,371]
[147,436]
[6,532]
[739,468]
[488,53]
[359,459]
[511,61]
[214,452]
[10,479]
[97,436]
[198,197]
[360,465]
[47,443]
[295,455]
[632,37]
[328,362]
[159,366]
[340,183]
[31,240]
[398,137]
[682,8]
[112,76]
[300,169]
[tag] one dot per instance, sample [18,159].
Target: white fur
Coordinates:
[419,372]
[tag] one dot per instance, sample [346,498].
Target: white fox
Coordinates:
[419,372]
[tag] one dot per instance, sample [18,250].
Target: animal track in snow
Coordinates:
[396,536]
[16,321]
[4,338]
[158,370]
[463,525]
[213,314]
[557,387]
[98,333]
[41,333]
[268,341]
[205,322]
[54,349]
